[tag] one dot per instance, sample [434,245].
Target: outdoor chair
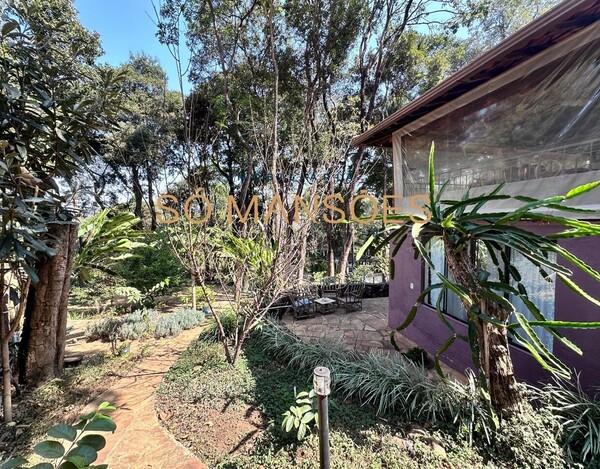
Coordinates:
[303,303]
[351,296]
[331,290]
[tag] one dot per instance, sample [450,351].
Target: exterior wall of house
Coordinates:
[430,333]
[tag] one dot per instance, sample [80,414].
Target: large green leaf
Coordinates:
[49,449]
[63,431]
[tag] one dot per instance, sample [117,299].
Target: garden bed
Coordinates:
[231,417]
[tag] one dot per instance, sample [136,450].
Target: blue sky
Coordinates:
[127,26]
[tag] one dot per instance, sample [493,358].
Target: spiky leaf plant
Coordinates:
[493,292]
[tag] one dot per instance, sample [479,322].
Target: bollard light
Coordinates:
[322,386]
[322,381]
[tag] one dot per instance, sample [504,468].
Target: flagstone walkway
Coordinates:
[360,330]
[140,441]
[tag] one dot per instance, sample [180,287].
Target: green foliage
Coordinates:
[105,240]
[578,416]
[231,326]
[128,327]
[73,446]
[302,416]
[146,298]
[49,111]
[151,264]
[201,296]
[463,223]
[527,439]
[172,324]
[360,272]
[388,382]
[143,323]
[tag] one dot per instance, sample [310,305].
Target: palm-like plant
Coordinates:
[105,240]
[465,227]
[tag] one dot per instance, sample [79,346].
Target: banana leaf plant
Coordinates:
[493,294]
[104,240]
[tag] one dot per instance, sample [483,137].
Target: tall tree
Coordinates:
[53,103]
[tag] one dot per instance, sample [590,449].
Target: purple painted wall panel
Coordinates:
[430,333]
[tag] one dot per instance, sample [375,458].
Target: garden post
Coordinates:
[322,386]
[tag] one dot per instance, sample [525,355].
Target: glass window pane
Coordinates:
[541,292]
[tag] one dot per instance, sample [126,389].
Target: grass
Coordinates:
[202,392]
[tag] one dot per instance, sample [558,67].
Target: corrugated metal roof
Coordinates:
[550,28]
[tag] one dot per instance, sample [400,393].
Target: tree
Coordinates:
[470,234]
[135,153]
[52,104]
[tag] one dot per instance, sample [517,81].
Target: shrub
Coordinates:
[128,327]
[527,440]
[230,323]
[419,356]
[360,272]
[201,296]
[578,416]
[172,324]
[152,264]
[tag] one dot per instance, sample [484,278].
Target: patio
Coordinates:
[360,330]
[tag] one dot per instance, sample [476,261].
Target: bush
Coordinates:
[360,272]
[172,324]
[201,297]
[528,440]
[128,327]
[144,322]
[152,264]
[578,416]
[230,323]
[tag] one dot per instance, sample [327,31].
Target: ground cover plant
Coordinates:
[385,411]
[144,323]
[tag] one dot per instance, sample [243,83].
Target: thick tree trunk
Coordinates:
[348,241]
[42,349]
[494,352]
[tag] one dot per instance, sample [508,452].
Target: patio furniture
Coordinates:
[331,290]
[303,303]
[325,305]
[350,297]
[280,306]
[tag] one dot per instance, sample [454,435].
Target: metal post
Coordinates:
[322,386]
[323,405]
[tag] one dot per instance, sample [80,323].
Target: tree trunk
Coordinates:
[138,194]
[194,299]
[151,206]
[42,348]
[348,241]
[5,353]
[494,353]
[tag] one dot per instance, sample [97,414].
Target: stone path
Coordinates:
[140,441]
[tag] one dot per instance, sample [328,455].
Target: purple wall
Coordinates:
[430,333]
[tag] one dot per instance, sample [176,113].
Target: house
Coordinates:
[527,112]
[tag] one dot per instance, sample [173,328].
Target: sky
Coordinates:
[127,26]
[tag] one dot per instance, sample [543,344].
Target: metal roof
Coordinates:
[548,29]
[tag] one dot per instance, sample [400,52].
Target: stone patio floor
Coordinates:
[359,330]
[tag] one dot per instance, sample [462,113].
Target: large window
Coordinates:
[540,291]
